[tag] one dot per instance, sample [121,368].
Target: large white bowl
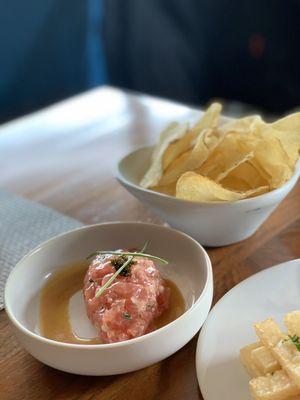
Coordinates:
[212,224]
[189,268]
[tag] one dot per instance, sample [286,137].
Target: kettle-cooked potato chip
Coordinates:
[244,177]
[246,125]
[206,142]
[238,159]
[173,132]
[286,130]
[272,159]
[269,158]
[227,156]
[195,187]
[175,140]
[290,123]
[209,119]
[167,189]
[177,148]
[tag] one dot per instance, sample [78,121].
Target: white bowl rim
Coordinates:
[266,196]
[15,321]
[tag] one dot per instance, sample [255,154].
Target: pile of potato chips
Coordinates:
[224,162]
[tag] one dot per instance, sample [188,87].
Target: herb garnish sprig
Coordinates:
[118,262]
[296,341]
[113,277]
[128,262]
[129,253]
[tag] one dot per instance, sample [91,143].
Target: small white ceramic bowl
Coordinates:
[189,268]
[212,224]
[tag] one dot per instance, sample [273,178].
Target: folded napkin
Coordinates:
[23,225]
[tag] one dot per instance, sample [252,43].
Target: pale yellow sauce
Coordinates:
[62,285]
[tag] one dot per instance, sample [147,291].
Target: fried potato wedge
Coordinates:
[269,332]
[284,348]
[292,323]
[264,360]
[276,358]
[247,361]
[258,360]
[277,386]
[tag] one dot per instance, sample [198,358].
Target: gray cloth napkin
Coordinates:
[23,225]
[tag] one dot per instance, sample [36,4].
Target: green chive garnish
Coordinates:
[296,341]
[129,253]
[111,279]
[128,262]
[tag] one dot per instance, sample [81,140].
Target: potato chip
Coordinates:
[289,123]
[287,131]
[271,159]
[170,189]
[195,187]
[227,156]
[246,125]
[235,183]
[206,142]
[173,132]
[177,148]
[290,143]
[175,140]
[234,165]
[244,177]
[238,159]
[209,119]
[175,169]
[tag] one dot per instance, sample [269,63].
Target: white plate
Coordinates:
[210,223]
[272,292]
[189,268]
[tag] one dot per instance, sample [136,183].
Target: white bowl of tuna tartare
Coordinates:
[110,298]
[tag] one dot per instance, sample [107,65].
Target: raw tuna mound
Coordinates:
[128,307]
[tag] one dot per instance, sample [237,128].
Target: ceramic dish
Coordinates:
[189,268]
[212,224]
[271,293]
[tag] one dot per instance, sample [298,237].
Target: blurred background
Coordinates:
[243,52]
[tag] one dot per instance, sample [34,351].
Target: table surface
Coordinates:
[64,157]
